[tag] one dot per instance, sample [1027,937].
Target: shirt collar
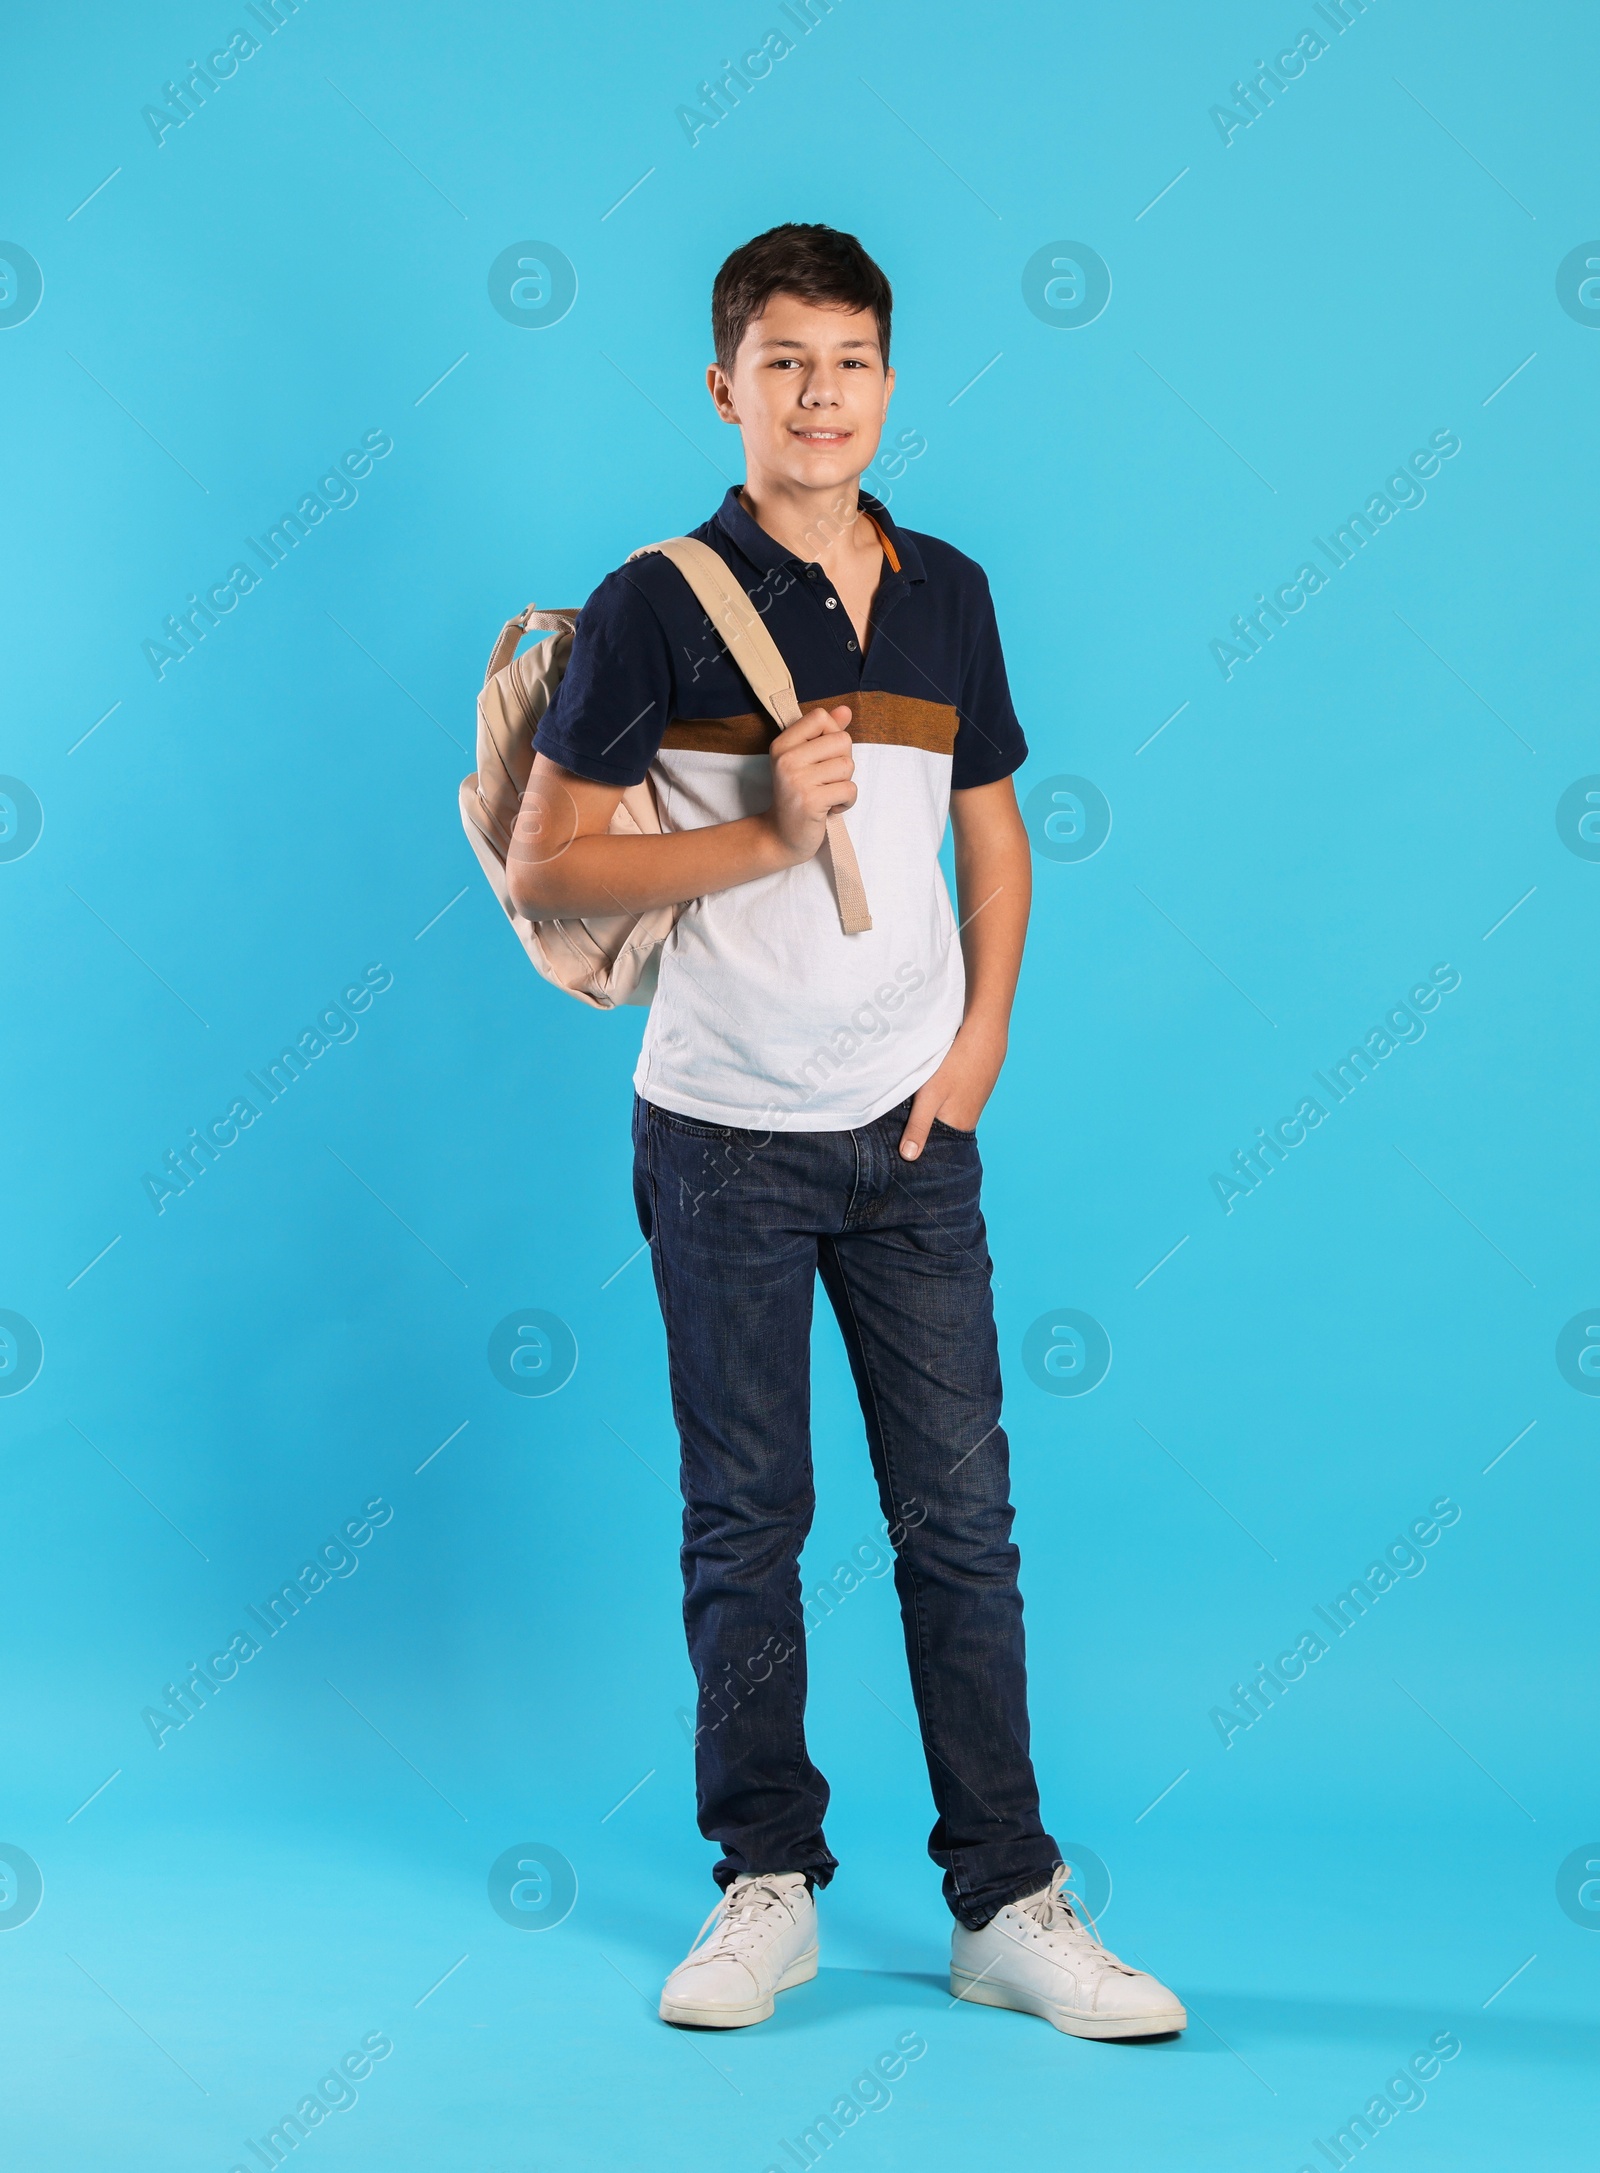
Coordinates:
[767,554]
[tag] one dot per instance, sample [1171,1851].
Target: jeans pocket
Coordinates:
[954,1130]
[690,1127]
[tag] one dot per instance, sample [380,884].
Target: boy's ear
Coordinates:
[720,387]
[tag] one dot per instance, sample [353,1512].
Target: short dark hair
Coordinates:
[817,263]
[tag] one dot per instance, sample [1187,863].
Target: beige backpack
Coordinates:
[613,960]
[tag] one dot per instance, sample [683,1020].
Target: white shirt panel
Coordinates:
[767,1016]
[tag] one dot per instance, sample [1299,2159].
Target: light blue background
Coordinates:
[1369,262]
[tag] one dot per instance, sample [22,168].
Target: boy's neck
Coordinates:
[817,525]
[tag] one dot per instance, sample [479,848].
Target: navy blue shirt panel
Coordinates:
[646,660]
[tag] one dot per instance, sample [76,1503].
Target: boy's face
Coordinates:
[808,391]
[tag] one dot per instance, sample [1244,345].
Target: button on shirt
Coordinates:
[766,1015]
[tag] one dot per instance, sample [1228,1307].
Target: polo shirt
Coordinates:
[766,1015]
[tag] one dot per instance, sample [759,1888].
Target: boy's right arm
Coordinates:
[564,862]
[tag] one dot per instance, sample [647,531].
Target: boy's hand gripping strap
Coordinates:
[756,654]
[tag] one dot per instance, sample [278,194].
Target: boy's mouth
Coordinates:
[821,437]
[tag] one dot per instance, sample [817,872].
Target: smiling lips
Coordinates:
[822,437]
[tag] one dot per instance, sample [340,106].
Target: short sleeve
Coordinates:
[989,740]
[613,705]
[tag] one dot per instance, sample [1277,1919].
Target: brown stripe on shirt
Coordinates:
[876,720]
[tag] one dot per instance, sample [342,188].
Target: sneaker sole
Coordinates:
[986,1992]
[683,2012]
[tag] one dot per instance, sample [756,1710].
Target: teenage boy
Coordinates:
[807,1104]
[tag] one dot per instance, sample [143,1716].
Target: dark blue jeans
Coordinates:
[740,1225]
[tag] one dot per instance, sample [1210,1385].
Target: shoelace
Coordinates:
[741,1911]
[1054,1912]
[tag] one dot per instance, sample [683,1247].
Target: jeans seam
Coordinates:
[924,1702]
[673,1396]
[855,1182]
[692,1127]
[798,1781]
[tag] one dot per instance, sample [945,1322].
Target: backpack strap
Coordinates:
[758,657]
[531,621]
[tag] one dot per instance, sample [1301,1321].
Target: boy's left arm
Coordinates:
[994,884]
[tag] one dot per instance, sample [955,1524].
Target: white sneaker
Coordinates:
[1038,1956]
[762,1939]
